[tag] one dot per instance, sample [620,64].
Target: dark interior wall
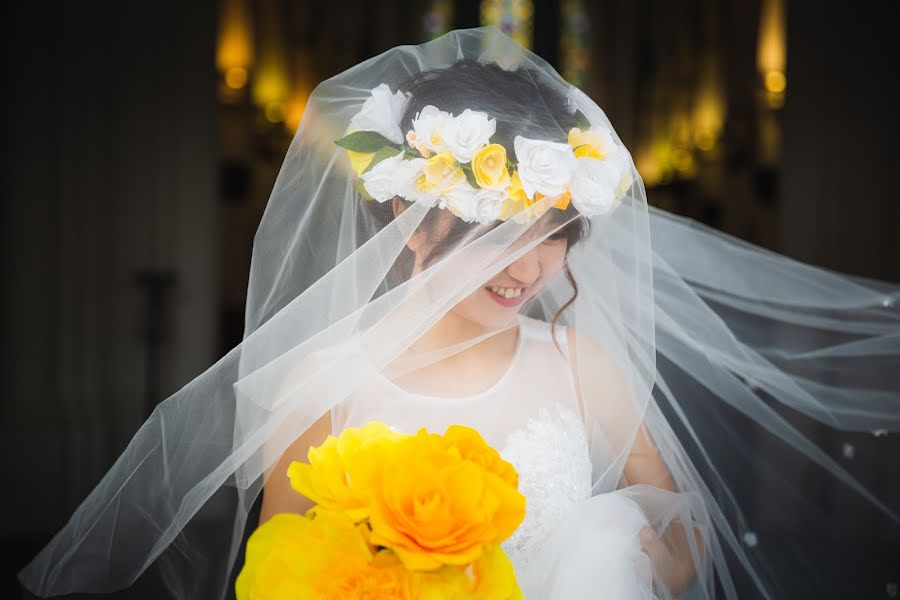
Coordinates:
[841,124]
[109,170]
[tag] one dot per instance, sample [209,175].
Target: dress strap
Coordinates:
[537,329]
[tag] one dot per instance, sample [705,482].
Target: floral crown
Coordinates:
[449,161]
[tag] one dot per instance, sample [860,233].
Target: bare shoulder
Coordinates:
[594,362]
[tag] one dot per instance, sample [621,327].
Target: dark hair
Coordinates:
[521,105]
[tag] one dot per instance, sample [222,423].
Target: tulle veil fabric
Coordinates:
[724,348]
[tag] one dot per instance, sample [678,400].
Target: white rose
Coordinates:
[430,126]
[405,181]
[461,201]
[381,112]
[488,204]
[596,185]
[473,204]
[468,133]
[544,167]
[379,180]
[394,176]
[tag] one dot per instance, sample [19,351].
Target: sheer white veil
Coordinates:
[728,352]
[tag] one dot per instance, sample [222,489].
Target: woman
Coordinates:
[457,235]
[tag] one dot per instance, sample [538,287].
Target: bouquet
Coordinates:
[396,516]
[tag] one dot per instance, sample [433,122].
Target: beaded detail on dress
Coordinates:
[551,456]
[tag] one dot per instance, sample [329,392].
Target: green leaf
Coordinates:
[364,141]
[382,154]
[411,152]
[582,121]
[470,176]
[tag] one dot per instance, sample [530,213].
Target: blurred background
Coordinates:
[142,140]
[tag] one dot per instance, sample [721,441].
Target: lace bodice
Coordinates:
[530,415]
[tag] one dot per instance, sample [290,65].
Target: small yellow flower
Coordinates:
[416,142]
[588,144]
[341,471]
[516,191]
[518,204]
[441,174]
[489,167]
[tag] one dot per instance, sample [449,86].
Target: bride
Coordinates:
[458,236]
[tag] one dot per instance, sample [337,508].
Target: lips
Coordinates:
[506,296]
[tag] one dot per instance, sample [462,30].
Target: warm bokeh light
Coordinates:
[775,82]
[294,111]
[236,77]
[709,107]
[771,52]
[235,43]
[270,76]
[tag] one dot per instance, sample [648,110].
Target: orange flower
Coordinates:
[442,501]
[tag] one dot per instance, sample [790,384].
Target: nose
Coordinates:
[526,268]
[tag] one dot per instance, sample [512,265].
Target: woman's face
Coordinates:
[496,303]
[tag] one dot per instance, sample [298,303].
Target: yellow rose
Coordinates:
[471,446]
[489,167]
[517,203]
[434,507]
[324,556]
[516,191]
[341,471]
[441,174]
[588,143]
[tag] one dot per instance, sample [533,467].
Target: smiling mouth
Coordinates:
[506,296]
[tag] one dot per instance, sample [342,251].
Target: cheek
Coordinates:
[552,259]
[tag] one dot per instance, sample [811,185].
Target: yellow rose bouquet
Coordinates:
[396,516]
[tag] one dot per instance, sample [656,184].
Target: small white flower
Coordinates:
[595,186]
[430,126]
[545,167]
[461,201]
[393,176]
[381,112]
[405,181]
[468,133]
[488,204]
[473,204]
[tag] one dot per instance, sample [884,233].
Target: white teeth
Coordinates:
[506,292]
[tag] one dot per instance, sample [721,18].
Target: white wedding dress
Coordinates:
[570,545]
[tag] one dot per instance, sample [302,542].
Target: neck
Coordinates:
[453,328]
